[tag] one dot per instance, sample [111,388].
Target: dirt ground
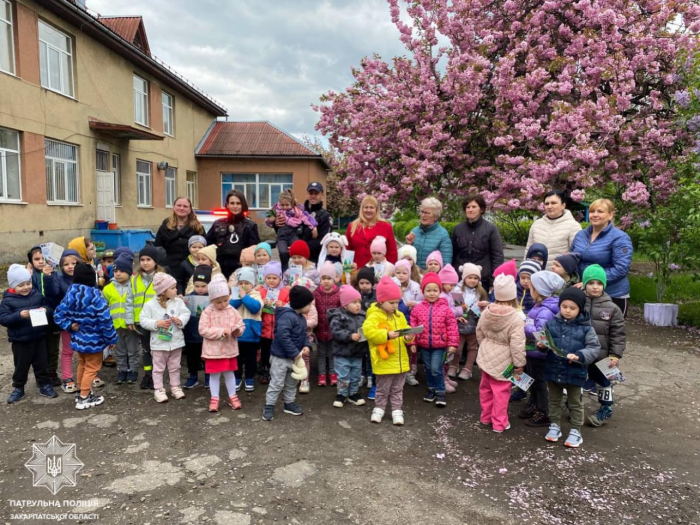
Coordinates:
[176,463]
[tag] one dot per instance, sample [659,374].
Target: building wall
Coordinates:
[103,90]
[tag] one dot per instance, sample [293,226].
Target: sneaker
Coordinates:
[440,400]
[397,417]
[147,381]
[54,379]
[574,440]
[430,396]
[363,380]
[132,377]
[88,402]
[109,361]
[602,415]
[265,379]
[540,419]
[121,377]
[502,431]
[239,384]
[234,402]
[372,394]
[334,379]
[465,374]
[370,382]
[377,415]
[356,400]
[304,387]
[160,395]
[339,401]
[554,433]
[452,382]
[249,385]
[97,383]
[293,409]
[214,404]
[527,412]
[517,395]
[268,413]
[16,395]
[592,392]
[68,386]
[322,380]
[206,382]
[411,380]
[449,389]
[192,381]
[48,391]
[452,372]
[177,392]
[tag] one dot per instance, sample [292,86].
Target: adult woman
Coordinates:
[477,241]
[430,235]
[601,243]
[233,233]
[174,234]
[363,230]
[557,229]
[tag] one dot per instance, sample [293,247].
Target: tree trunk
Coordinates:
[661,314]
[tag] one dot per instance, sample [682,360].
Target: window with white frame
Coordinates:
[143,176]
[140,101]
[261,190]
[56,59]
[117,169]
[192,188]
[62,183]
[7,46]
[10,182]
[102,160]
[170,186]
[168,114]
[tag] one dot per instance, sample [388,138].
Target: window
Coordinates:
[56,57]
[7,54]
[102,160]
[143,175]
[117,169]
[140,101]
[168,114]
[61,172]
[261,189]
[170,186]
[192,188]
[10,187]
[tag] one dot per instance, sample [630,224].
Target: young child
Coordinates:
[410,254]
[108,259]
[219,326]
[29,343]
[365,285]
[164,317]
[194,244]
[411,295]
[433,263]
[249,304]
[449,279]
[326,297]
[381,266]
[311,323]
[574,336]
[88,253]
[289,344]
[294,216]
[193,339]
[501,343]
[299,255]
[205,256]
[538,252]
[525,300]
[84,312]
[333,247]
[472,294]
[263,255]
[439,335]
[388,350]
[543,286]
[609,323]
[566,267]
[64,280]
[272,273]
[348,351]
[116,293]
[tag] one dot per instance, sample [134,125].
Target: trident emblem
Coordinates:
[53,466]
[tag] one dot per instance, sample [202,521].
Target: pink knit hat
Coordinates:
[504,288]
[378,245]
[162,282]
[218,288]
[448,275]
[468,269]
[328,270]
[430,278]
[507,268]
[348,294]
[403,263]
[388,290]
[435,256]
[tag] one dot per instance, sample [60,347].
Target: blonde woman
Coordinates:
[363,230]
[174,235]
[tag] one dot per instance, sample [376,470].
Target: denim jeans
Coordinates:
[349,370]
[432,364]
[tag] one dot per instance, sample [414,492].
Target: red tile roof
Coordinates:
[130,28]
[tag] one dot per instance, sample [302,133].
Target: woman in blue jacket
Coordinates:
[601,243]
[429,236]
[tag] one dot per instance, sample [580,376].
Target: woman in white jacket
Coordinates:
[165,316]
[557,229]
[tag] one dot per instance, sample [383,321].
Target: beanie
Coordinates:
[504,288]
[84,274]
[347,295]
[202,274]
[196,238]
[247,257]
[149,251]
[378,245]
[530,266]
[210,252]
[328,270]
[403,263]
[305,282]
[574,295]
[468,269]
[163,282]
[367,274]
[264,246]
[507,268]
[388,290]
[124,263]
[17,274]
[218,288]
[595,272]
[547,283]
[247,274]
[408,251]
[435,256]
[430,278]
[569,261]
[299,248]
[299,297]
[448,275]
[123,249]
[272,268]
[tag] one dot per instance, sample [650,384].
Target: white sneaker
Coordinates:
[501,431]
[160,395]
[362,380]
[411,380]
[397,417]
[377,415]
[177,392]
[304,387]
[370,383]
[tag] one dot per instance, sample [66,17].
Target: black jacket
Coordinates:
[325,225]
[368,299]
[290,333]
[479,243]
[175,242]
[232,235]
[18,329]
[609,324]
[343,325]
[186,272]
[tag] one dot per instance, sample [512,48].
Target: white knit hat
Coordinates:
[504,288]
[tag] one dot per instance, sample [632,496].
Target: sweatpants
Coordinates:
[574,396]
[247,359]
[54,350]
[325,358]
[494,396]
[88,367]
[127,350]
[169,359]
[468,344]
[349,371]
[281,380]
[538,391]
[66,357]
[621,304]
[32,354]
[193,353]
[146,358]
[390,388]
[286,236]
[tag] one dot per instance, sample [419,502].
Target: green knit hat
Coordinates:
[595,272]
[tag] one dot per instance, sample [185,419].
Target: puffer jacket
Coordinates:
[250,309]
[556,234]
[86,306]
[212,325]
[290,334]
[376,333]
[311,321]
[367,300]
[571,337]
[18,329]
[325,302]
[153,312]
[343,325]
[192,335]
[501,340]
[268,319]
[609,323]
[612,249]
[439,325]
[480,243]
[430,239]
[536,319]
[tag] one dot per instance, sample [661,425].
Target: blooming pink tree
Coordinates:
[514,97]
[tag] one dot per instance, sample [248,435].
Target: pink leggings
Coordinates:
[167,360]
[66,357]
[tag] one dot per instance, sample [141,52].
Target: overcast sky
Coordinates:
[265,59]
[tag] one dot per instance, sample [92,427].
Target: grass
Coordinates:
[682,290]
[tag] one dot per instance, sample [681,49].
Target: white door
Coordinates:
[105,196]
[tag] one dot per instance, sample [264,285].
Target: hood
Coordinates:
[78,244]
[582,319]
[29,253]
[285,311]
[605,298]
[68,252]
[499,316]
[552,304]
[442,302]
[538,247]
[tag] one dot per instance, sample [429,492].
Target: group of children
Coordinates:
[369,326]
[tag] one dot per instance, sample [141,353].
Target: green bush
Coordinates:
[514,231]
[689,314]
[682,289]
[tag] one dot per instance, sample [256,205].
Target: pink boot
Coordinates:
[449,388]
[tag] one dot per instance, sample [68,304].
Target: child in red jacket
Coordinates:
[274,295]
[326,297]
[439,335]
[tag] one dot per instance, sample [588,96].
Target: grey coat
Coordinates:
[609,324]
[343,325]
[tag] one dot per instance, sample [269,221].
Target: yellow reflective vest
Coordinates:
[115,295]
[141,295]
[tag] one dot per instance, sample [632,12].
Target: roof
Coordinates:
[252,139]
[130,28]
[122,131]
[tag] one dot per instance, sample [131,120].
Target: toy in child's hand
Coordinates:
[299,370]
[387,348]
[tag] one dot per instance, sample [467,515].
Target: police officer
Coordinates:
[314,205]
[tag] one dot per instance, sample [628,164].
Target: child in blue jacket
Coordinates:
[249,305]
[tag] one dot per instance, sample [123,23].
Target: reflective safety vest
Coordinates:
[117,305]
[141,294]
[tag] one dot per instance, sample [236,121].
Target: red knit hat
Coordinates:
[387,290]
[507,268]
[428,278]
[299,248]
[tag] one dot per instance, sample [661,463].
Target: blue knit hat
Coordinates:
[124,263]
[547,283]
[264,246]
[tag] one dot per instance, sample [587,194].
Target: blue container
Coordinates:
[113,239]
[101,225]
